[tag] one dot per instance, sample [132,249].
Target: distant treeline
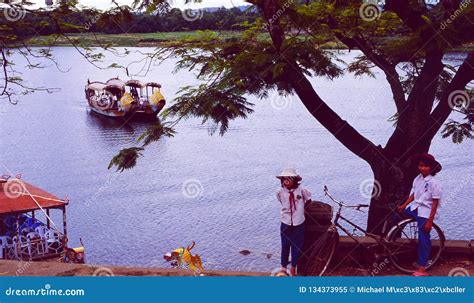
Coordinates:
[172,20]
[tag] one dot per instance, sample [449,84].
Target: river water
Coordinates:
[216,191]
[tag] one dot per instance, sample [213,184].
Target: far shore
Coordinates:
[158,39]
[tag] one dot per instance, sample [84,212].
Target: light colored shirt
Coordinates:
[425,189]
[293,216]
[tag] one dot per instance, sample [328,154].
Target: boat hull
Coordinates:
[131,114]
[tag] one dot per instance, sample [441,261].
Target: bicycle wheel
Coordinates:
[402,245]
[322,252]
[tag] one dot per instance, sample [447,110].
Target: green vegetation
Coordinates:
[133,39]
[145,39]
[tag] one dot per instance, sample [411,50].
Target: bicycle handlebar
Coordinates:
[342,204]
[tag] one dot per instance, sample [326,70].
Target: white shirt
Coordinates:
[296,216]
[425,190]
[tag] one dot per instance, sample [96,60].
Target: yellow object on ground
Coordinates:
[79,249]
[184,254]
[156,97]
[126,99]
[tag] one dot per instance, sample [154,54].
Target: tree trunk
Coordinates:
[391,187]
[394,172]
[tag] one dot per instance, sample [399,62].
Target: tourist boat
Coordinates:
[119,99]
[23,235]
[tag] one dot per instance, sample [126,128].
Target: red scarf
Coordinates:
[292,201]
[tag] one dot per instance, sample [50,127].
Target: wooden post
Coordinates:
[48,223]
[65,224]
[18,244]
[17,225]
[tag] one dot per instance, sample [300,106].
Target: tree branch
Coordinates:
[424,89]
[5,73]
[340,128]
[381,62]
[464,75]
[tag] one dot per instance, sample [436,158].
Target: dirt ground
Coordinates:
[24,268]
[443,268]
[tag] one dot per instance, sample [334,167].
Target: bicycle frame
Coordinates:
[384,244]
[338,217]
[379,239]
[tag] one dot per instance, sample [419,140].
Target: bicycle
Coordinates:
[399,244]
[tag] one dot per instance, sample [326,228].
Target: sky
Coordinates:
[104,4]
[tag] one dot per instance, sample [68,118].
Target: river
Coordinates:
[216,191]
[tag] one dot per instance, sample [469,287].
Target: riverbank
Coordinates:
[15,268]
[351,260]
[159,39]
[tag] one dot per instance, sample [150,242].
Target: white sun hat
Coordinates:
[289,172]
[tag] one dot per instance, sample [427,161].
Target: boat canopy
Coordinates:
[115,82]
[98,86]
[153,84]
[111,88]
[135,83]
[23,199]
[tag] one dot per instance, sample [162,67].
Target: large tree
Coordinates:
[407,35]
[405,39]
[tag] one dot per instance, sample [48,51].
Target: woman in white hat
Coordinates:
[293,199]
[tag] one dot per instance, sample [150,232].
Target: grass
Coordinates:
[140,39]
[160,39]
[133,39]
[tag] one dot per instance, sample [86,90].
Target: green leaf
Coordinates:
[126,158]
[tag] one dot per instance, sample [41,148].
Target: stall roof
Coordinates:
[20,201]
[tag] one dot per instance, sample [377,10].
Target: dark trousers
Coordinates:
[291,237]
[424,241]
